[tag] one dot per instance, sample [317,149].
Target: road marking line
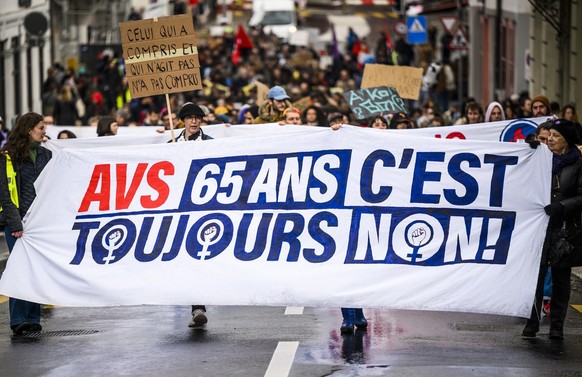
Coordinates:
[578,307]
[294,310]
[282,359]
[3,299]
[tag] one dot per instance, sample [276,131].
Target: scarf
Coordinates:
[33,151]
[560,161]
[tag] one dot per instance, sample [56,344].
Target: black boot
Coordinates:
[556,333]
[360,320]
[349,316]
[531,329]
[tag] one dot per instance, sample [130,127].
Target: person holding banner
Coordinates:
[22,159]
[540,107]
[192,116]
[565,209]
[292,116]
[335,120]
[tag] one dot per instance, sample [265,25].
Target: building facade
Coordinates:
[25,45]
[525,45]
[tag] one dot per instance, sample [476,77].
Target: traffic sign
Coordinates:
[460,40]
[400,28]
[449,23]
[417,30]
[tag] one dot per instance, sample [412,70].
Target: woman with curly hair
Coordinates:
[22,159]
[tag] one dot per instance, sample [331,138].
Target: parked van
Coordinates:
[276,16]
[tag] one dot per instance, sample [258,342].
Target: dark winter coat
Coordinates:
[26,175]
[567,190]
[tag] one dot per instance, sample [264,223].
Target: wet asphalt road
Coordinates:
[241,341]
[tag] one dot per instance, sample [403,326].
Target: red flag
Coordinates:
[242,41]
[389,40]
[236,56]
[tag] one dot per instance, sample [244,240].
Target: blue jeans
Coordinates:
[20,310]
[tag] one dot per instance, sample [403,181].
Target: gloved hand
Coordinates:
[554,209]
[533,143]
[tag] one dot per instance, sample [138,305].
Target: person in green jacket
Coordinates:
[272,110]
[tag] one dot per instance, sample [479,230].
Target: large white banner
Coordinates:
[317,218]
[505,130]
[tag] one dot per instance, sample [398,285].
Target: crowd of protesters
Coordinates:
[316,79]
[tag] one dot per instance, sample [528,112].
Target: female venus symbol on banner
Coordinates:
[111,242]
[418,234]
[421,232]
[208,234]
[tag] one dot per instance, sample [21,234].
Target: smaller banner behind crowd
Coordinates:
[325,218]
[506,130]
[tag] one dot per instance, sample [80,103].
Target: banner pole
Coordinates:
[170,116]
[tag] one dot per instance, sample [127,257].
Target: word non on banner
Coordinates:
[407,218]
[406,80]
[160,56]
[375,101]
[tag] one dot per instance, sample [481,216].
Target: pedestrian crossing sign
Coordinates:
[417,30]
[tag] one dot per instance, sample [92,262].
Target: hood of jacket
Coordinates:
[268,114]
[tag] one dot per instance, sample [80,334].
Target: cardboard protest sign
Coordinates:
[160,55]
[375,101]
[262,92]
[406,80]
[303,103]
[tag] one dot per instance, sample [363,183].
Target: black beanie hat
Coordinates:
[567,129]
[189,109]
[399,118]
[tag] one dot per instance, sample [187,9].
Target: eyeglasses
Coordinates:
[195,118]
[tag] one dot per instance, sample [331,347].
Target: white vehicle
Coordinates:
[276,16]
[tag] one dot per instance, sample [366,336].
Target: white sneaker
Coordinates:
[198,319]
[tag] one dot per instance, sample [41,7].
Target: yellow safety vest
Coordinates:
[11,176]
